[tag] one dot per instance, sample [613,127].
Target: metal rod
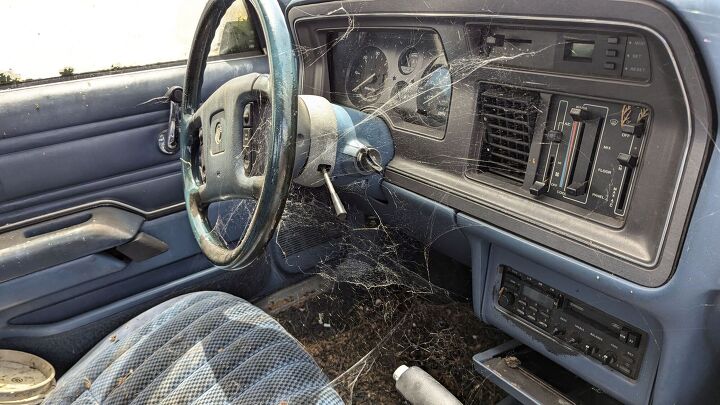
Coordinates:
[337,204]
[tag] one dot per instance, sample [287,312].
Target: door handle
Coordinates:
[37,247]
[168,138]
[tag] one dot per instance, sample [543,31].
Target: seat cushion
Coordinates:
[204,348]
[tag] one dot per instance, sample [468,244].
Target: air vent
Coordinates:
[509,118]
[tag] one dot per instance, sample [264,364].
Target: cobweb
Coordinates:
[390,297]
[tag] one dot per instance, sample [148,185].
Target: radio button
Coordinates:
[633,339]
[623,336]
[624,370]
[626,364]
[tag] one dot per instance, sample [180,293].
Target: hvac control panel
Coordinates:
[572,323]
[590,152]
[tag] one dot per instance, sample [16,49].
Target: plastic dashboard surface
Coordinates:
[637,151]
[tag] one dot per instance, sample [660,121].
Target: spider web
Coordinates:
[383,304]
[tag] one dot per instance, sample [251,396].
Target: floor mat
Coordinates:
[359,336]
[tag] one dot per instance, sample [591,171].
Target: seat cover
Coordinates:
[204,348]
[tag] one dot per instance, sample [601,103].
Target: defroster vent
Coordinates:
[508,116]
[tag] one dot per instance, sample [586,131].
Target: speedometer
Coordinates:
[366,76]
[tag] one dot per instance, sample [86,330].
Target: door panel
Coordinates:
[67,148]
[69,144]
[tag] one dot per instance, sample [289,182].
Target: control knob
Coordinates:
[608,358]
[590,350]
[506,299]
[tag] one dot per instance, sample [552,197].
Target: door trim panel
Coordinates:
[53,135]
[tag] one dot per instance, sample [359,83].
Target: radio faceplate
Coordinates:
[572,323]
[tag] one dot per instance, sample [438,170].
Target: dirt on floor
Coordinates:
[360,335]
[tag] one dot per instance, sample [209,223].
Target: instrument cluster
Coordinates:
[399,74]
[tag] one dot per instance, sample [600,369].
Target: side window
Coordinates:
[67,38]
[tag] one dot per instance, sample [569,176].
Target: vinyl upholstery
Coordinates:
[204,348]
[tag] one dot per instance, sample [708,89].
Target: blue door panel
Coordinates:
[67,144]
[70,289]
[78,162]
[142,192]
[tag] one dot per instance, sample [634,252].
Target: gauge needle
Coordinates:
[372,76]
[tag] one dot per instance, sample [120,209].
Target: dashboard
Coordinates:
[546,127]
[572,134]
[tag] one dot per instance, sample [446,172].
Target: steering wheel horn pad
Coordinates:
[211,137]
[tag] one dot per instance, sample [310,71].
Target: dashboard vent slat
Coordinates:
[508,116]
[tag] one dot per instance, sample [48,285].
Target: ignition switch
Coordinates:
[368,160]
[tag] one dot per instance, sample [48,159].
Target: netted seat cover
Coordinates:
[203,348]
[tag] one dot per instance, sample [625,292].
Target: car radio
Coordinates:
[572,323]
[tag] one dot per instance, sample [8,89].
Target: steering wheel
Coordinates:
[211,137]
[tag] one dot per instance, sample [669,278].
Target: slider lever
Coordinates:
[577,189]
[334,197]
[539,188]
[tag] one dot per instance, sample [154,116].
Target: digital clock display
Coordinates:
[579,50]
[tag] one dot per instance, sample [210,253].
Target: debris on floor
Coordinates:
[360,335]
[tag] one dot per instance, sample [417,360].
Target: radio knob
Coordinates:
[573,341]
[590,350]
[558,332]
[506,299]
[608,358]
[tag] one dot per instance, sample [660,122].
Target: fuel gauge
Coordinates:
[408,61]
